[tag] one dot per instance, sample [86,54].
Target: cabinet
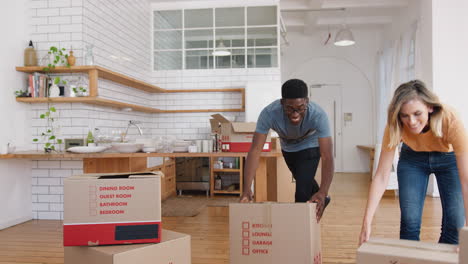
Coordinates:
[231,174]
[168,182]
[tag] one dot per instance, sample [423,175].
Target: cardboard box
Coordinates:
[463,245]
[275,233]
[173,249]
[236,136]
[118,208]
[381,250]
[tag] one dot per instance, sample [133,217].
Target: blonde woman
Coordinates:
[434,141]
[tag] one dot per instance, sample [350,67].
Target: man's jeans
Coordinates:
[303,165]
[413,171]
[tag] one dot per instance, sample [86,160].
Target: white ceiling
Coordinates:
[356,13]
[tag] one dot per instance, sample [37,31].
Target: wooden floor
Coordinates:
[40,241]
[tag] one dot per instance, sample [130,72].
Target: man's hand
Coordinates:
[246,197]
[319,198]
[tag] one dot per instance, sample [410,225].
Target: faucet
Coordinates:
[132,123]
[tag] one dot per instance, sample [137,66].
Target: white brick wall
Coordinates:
[121,34]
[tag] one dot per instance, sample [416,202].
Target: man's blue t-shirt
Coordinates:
[294,138]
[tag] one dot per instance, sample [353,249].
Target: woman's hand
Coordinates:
[365,233]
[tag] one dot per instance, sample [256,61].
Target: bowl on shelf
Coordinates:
[127,147]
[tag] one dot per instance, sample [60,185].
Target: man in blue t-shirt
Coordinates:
[305,139]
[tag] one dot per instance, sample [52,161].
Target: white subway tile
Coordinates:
[56,189]
[59,3]
[72,164]
[71,28]
[47,29]
[34,215]
[48,198]
[48,164]
[60,20]
[61,173]
[47,12]
[59,36]
[40,207]
[40,190]
[49,181]
[69,11]
[38,21]
[38,4]
[49,215]
[56,207]
[40,173]
[77,19]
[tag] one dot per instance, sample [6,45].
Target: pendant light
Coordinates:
[344,37]
[221,50]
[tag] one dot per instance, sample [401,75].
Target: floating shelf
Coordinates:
[226,170]
[95,72]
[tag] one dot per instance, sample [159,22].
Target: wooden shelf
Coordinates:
[226,170]
[95,72]
[89,100]
[227,192]
[100,73]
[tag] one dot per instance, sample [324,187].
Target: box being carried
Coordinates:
[464,245]
[118,208]
[382,250]
[274,233]
[236,136]
[174,248]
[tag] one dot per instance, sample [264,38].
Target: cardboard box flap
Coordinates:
[405,250]
[244,127]
[220,118]
[127,175]
[410,244]
[215,127]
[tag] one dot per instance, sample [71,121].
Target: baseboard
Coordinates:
[15,222]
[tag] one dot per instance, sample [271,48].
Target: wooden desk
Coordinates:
[371,150]
[131,162]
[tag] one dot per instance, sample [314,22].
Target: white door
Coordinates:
[328,96]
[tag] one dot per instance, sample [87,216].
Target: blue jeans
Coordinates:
[413,172]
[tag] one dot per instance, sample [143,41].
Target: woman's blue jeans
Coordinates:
[413,172]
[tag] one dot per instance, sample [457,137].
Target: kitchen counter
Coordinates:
[60,155]
[134,162]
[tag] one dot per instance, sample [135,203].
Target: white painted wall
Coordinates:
[351,67]
[450,42]
[15,175]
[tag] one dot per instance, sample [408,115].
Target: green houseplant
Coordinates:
[49,136]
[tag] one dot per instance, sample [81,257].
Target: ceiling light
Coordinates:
[344,37]
[221,50]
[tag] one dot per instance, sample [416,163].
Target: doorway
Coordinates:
[328,96]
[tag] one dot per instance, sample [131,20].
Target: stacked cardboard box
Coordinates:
[464,246]
[235,136]
[114,209]
[108,209]
[174,248]
[381,250]
[275,233]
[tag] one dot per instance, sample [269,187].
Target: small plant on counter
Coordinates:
[49,136]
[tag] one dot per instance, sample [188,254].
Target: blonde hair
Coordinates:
[415,89]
